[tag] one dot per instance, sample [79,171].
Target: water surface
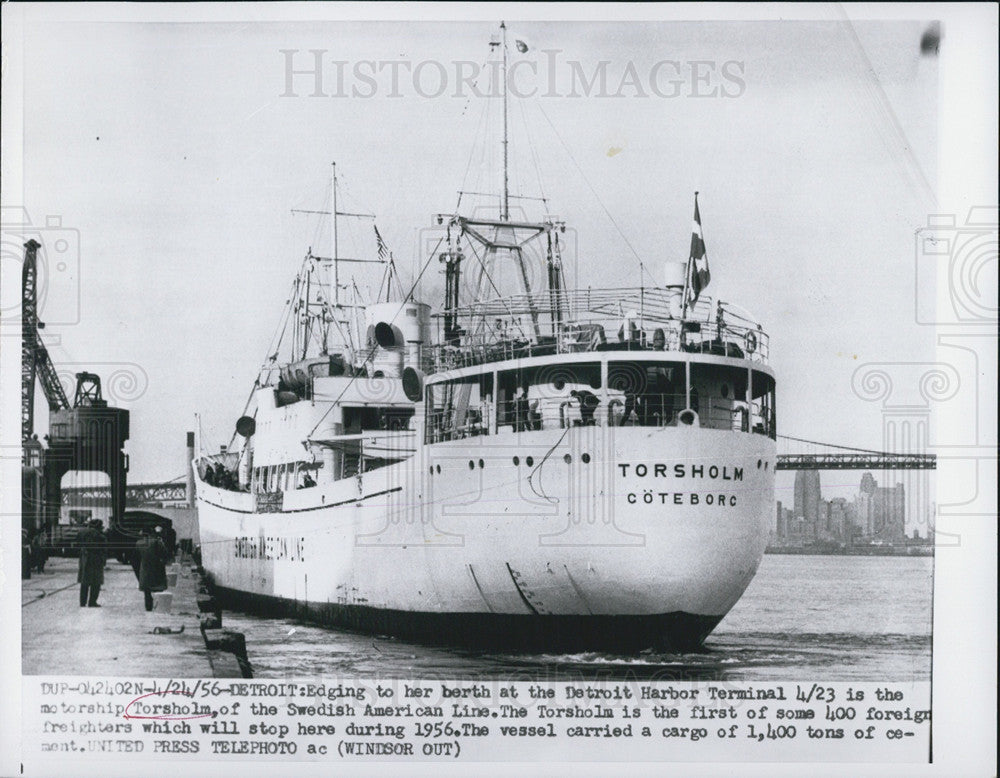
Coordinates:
[830,618]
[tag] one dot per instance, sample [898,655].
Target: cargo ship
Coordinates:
[549,469]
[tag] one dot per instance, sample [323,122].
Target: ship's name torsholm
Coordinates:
[663,470]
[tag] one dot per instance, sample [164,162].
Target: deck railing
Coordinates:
[594,320]
[613,410]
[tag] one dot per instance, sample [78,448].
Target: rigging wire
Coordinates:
[642,265]
[538,469]
[834,445]
[293,305]
[371,350]
[480,124]
[534,154]
[274,345]
[499,296]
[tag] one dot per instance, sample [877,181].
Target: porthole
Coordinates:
[758,464]
[517,461]
[438,468]
[585,458]
[472,465]
[431,468]
[529,461]
[766,464]
[567,459]
[481,464]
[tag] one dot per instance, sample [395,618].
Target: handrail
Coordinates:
[631,319]
[631,409]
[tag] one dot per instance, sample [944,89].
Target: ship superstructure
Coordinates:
[551,468]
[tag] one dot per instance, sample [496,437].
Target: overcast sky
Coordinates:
[172,151]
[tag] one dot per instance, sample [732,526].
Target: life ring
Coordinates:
[750,339]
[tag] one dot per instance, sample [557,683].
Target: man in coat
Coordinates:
[152,564]
[39,556]
[91,571]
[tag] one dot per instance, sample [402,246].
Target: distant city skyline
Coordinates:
[874,513]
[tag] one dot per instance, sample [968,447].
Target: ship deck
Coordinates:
[638,319]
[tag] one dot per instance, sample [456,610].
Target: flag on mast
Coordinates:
[698,261]
[383,250]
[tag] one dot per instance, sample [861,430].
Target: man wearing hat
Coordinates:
[588,404]
[90,574]
[152,564]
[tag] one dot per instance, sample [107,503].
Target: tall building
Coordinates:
[807,497]
[852,524]
[863,504]
[823,520]
[838,524]
[881,511]
[890,510]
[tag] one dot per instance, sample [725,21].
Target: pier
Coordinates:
[121,638]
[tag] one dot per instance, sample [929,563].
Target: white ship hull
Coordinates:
[649,543]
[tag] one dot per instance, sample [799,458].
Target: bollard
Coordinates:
[208,604]
[210,621]
[225,640]
[162,601]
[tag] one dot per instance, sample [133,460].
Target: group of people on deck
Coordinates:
[219,475]
[653,405]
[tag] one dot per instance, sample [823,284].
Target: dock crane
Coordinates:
[87,436]
[35,360]
[35,364]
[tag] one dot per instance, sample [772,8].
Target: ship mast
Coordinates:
[336,253]
[502,236]
[331,305]
[505,203]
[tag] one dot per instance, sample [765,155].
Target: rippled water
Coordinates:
[831,618]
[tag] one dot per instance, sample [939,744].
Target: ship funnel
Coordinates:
[397,331]
[673,273]
[675,300]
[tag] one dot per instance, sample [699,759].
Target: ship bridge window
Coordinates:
[549,396]
[458,409]
[719,396]
[763,414]
[647,394]
[385,417]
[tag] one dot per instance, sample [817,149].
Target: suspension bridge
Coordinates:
[830,456]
